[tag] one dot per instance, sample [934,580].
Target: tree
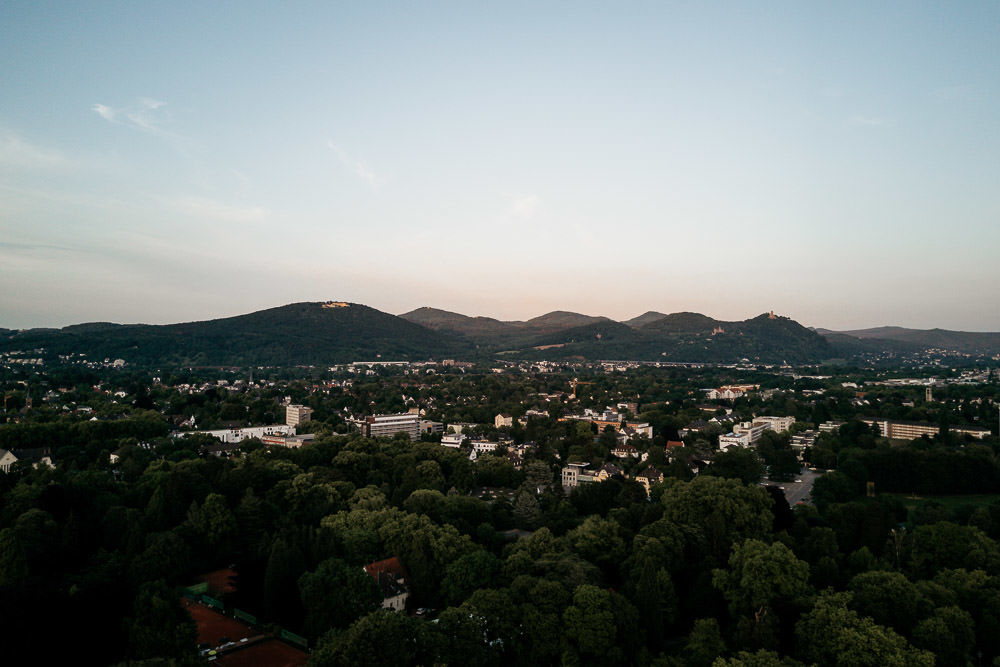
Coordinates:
[598,541]
[383,638]
[159,627]
[704,644]
[724,510]
[467,574]
[889,598]
[950,633]
[593,625]
[527,512]
[759,577]
[832,634]
[335,594]
[737,463]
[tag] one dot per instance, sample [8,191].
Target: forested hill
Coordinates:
[334,332]
[299,333]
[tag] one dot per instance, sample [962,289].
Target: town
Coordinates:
[275,511]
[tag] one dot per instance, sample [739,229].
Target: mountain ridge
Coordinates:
[317,333]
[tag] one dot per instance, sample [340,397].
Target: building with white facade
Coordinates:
[297,414]
[386,426]
[752,430]
[777,424]
[733,440]
[234,435]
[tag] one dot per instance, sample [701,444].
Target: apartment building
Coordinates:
[386,426]
[297,414]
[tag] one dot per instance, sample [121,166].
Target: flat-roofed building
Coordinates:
[777,424]
[574,474]
[386,426]
[752,430]
[297,414]
[733,440]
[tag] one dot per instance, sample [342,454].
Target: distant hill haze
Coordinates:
[969,342]
[319,333]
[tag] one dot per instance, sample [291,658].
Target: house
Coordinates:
[693,427]
[607,471]
[649,477]
[221,449]
[453,440]
[7,459]
[502,420]
[622,451]
[515,460]
[391,579]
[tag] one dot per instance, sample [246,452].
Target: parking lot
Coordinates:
[798,491]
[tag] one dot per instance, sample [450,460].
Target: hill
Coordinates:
[443,320]
[329,333]
[971,342]
[645,318]
[559,320]
[296,334]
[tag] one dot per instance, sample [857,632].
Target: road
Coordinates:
[798,492]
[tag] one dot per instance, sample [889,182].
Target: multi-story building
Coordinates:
[502,420]
[804,439]
[903,430]
[234,435]
[484,446]
[574,474]
[752,430]
[778,424]
[733,440]
[431,427]
[386,426]
[297,414]
[289,441]
[453,440]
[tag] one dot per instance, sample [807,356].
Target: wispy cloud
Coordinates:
[145,115]
[868,121]
[16,152]
[359,167]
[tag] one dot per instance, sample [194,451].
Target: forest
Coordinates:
[708,570]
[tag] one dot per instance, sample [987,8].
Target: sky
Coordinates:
[838,163]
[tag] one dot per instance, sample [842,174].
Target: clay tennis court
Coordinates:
[213,626]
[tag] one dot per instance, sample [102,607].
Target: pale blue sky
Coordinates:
[838,163]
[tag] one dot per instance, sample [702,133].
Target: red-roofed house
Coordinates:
[391,579]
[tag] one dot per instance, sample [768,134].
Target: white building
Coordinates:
[7,459]
[234,435]
[453,440]
[297,414]
[777,424]
[733,440]
[484,446]
[752,431]
[574,474]
[386,426]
